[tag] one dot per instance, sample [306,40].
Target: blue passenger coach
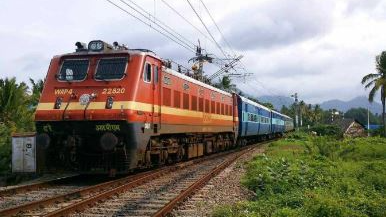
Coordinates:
[254,119]
[278,122]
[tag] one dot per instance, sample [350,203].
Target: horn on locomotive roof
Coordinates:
[80,46]
[117,46]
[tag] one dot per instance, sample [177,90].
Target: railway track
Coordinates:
[25,193]
[34,186]
[152,193]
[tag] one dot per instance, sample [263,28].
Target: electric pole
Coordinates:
[296,110]
[198,61]
[368,122]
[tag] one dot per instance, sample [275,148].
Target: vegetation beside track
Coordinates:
[303,175]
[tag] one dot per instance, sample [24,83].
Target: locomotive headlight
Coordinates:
[97,45]
[109,102]
[58,103]
[43,140]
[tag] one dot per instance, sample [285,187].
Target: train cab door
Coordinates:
[151,77]
[156,86]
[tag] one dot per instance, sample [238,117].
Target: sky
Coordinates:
[319,49]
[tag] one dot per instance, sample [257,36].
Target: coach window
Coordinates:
[185,101]
[194,103]
[177,99]
[201,104]
[155,74]
[207,109]
[147,73]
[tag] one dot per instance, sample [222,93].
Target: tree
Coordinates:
[224,83]
[14,103]
[267,104]
[36,90]
[16,114]
[360,114]
[377,81]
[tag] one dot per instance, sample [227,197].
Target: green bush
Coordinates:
[5,148]
[317,177]
[327,130]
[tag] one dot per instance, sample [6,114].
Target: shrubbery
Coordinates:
[316,176]
[5,148]
[326,130]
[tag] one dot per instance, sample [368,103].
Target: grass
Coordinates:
[316,176]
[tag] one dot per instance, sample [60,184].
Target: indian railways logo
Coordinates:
[107,127]
[63,91]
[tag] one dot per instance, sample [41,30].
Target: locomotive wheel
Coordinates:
[180,154]
[165,156]
[147,159]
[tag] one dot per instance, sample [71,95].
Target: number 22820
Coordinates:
[113,90]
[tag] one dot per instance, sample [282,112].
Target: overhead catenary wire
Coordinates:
[207,29]
[268,90]
[187,21]
[157,20]
[158,30]
[170,33]
[157,24]
[195,27]
[218,28]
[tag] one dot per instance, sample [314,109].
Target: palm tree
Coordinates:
[317,113]
[36,90]
[14,102]
[224,83]
[377,81]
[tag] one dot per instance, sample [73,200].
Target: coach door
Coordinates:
[156,65]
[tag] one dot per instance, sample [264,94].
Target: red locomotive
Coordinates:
[108,108]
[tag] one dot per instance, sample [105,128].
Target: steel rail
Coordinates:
[71,195]
[33,186]
[91,195]
[88,202]
[106,187]
[196,185]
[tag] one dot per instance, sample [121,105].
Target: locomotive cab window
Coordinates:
[73,70]
[111,69]
[147,73]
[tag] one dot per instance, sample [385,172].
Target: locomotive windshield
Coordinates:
[111,69]
[73,70]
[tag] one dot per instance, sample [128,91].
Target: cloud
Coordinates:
[320,49]
[278,23]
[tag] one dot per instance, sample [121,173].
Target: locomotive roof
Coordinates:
[254,103]
[276,112]
[129,51]
[192,80]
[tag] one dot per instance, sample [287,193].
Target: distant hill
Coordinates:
[360,101]
[357,102]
